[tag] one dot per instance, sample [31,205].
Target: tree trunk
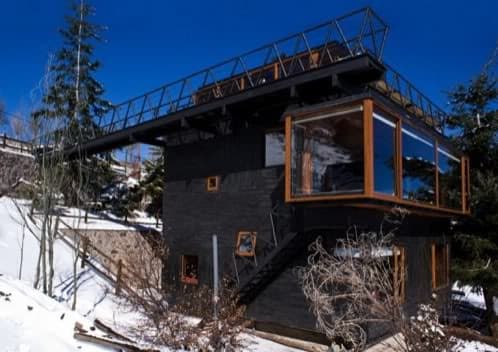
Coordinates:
[22,250]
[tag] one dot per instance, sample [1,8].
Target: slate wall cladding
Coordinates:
[248,191]
[193,215]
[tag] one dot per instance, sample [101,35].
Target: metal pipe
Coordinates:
[215,277]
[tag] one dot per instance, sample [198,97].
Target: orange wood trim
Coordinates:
[288,147]
[376,196]
[216,186]
[433,269]
[328,109]
[368,146]
[328,197]
[253,235]
[275,71]
[436,159]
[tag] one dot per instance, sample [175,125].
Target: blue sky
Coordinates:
[435,44]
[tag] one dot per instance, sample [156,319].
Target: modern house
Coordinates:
[301,138]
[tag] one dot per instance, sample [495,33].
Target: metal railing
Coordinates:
[398,89]
[353,34]
[356,33]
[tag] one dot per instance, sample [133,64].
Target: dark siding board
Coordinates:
[192,215]
[246,196]
[217,156]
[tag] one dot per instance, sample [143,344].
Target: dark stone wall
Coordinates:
[248,191]
[244,150]
[192,215]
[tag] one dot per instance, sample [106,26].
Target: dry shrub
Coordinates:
[352,286]
[173,324]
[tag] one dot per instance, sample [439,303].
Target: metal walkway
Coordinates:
[359,34]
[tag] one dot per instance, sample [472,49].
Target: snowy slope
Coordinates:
[41,329]
[31,321]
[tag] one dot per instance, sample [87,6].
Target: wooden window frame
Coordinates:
[399,264]
[446,250]
[254,236]
[183,277]
[216,187]
[369,193]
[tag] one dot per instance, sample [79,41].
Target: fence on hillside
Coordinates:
[16,145]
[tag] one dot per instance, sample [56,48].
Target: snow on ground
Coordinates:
[31,321]
[105,220]
[473,346]
[473,296]
[41,328]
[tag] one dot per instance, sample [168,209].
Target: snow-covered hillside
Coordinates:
[30,320]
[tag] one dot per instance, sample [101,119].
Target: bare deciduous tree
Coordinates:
[356,284]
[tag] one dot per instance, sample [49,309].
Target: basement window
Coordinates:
[190,269]
[213,183]
[440,265]
[246,244]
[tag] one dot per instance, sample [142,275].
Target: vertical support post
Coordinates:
[368,146]
[288,147]
[118,277]
[215,277]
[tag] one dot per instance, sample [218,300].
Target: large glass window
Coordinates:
[419,167]
[450,180]
[327,153]
[384,155]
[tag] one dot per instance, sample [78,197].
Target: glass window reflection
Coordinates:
[384,155]
[450,180]
[327,154]
[419,167]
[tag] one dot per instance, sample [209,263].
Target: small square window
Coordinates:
[190,269]
[213,183]
[246,244]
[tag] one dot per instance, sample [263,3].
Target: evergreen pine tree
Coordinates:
[153,184]
[74,99]
[475,250]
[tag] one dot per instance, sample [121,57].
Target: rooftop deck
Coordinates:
[335,46]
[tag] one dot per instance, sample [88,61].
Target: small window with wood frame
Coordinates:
[399,272]
[246,243]
[190,269]
[440,265]
[213,183]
